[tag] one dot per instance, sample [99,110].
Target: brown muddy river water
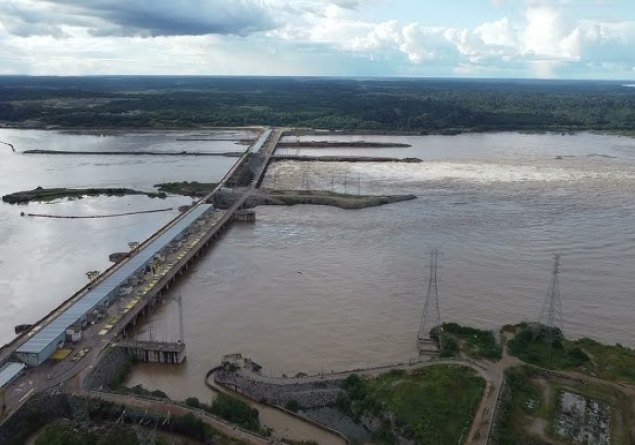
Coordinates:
[317,288]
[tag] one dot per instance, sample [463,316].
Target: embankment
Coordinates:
[307,395]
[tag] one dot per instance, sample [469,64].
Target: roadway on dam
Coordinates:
[96,338]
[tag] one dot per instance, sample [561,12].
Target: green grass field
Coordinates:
[432,405]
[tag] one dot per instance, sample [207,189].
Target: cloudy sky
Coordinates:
[461,38]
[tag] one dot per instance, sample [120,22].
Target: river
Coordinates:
[316,289]
[43,261]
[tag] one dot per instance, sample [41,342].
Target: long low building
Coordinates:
[49,338]
[9,372]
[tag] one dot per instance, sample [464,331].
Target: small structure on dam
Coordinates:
[151,351]
[244,216]
[154,351]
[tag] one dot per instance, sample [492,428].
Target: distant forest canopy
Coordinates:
[413,105]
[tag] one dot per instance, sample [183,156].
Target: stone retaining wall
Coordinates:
[307,395]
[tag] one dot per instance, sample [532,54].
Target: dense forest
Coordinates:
[414,105]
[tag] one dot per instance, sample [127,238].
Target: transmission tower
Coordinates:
[431,317]
[551,312]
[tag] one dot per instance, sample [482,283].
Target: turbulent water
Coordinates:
[43,261]
[317,288]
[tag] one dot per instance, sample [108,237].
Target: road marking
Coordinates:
[26,395]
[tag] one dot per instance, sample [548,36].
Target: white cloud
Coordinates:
[300,37]
[498,33]
[137,17]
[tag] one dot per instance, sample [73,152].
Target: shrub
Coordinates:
[236,411]
[293,405]
[193,402]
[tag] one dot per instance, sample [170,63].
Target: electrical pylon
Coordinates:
[431,317]
[551,312]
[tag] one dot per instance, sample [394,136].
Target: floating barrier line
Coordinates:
[10,145]
[113,215]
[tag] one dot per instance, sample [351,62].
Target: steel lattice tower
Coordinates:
[551,312]
[431,317]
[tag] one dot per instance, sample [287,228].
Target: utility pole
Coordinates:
[431,317]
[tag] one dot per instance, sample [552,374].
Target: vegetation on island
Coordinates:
[434,404]
[187,188]
[420,106]
[471,342]
[547,348]
[41,194]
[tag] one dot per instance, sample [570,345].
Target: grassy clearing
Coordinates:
[432,405]
[615,363]
[547,348]
[475,343]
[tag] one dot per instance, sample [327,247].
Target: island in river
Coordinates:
[200,189]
